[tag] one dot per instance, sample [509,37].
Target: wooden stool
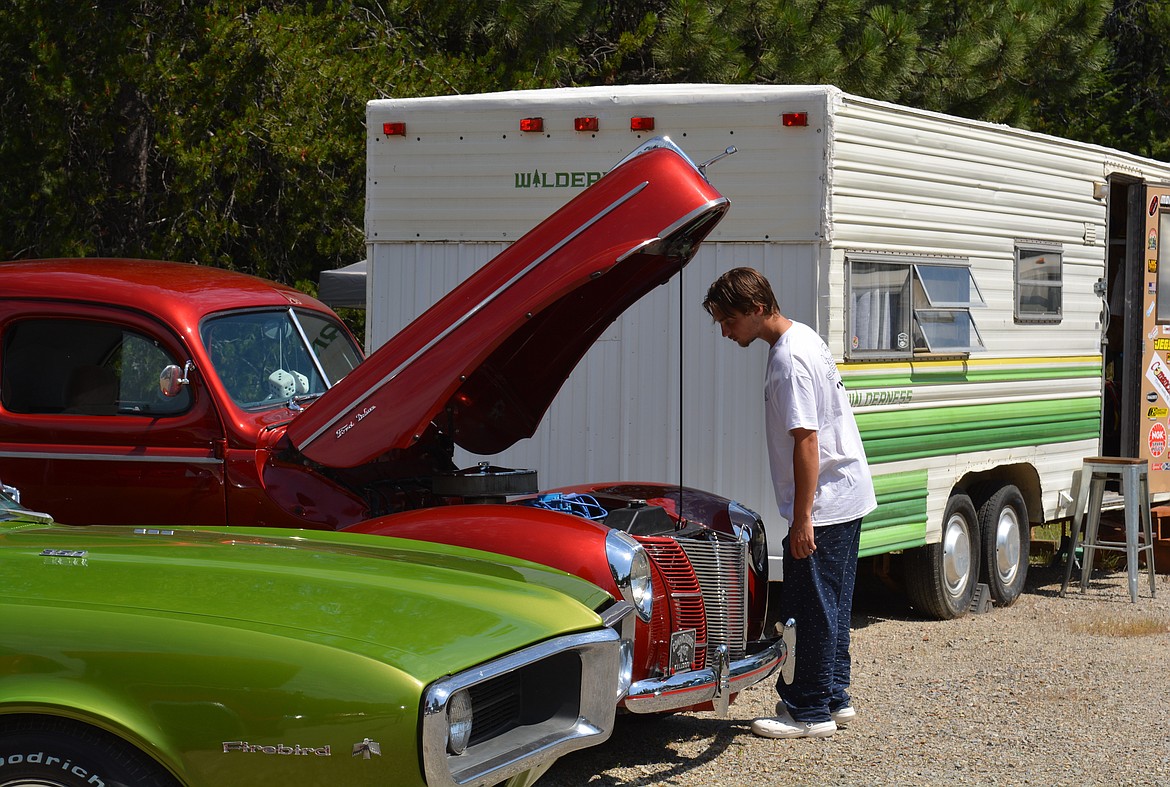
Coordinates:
[1135,489]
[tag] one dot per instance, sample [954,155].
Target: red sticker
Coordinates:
[1153,205]
[1157,440]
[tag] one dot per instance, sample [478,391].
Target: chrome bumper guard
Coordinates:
[716,683]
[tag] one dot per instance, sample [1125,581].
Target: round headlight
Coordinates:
[630,566]
[458,721]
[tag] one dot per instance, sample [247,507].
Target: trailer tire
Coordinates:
[941,578]
[1003,521]
[55,752]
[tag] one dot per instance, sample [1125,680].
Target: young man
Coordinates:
[823,488]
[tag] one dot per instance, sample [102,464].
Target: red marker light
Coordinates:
[793,119]
[585,124]
[394,129]
[532,124]
[641,124]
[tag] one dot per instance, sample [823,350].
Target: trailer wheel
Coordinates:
[941,578]
[1003,520]
[54,752]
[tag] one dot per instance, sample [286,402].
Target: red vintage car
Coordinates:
[165,394]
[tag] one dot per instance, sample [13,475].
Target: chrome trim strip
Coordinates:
[292,313]
[662,142]
[472,312]
[706,207]
[163,458]
[685,689]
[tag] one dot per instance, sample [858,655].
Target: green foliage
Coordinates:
[1128,106]
[232,133]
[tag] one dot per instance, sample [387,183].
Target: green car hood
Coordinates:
[427,609]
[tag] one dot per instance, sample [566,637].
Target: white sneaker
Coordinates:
[842,715]
[787,727]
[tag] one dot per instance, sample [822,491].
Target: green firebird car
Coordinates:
[244,657]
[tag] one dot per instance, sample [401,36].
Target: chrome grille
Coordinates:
[497,706]
[721,567]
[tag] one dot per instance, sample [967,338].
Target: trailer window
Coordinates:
[1039,283]
[902,308]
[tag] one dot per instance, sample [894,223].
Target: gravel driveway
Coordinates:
[1049,691]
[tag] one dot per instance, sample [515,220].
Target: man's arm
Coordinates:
[805,470]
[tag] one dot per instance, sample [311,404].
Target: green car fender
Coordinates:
[194,694]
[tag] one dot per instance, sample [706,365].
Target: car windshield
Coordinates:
[266,358]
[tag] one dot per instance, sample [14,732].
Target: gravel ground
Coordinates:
[1049,691]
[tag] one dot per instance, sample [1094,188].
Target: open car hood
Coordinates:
[484,363]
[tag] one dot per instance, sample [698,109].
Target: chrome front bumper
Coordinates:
[717,682]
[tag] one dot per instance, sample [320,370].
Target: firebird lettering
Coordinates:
[280,748]
[556,180]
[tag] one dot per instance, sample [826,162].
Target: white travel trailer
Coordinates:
[992,297]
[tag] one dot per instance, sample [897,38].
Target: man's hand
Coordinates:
[801,542]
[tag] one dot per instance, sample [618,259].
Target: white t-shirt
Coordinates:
[803,390]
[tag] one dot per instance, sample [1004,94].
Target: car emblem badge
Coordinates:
[367,748]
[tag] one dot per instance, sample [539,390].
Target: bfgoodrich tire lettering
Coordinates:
[43,751]
[941,578]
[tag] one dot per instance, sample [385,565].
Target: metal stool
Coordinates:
[1135,489]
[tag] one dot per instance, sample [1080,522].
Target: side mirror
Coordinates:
[172,379]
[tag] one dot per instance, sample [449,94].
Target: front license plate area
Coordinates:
[682,650]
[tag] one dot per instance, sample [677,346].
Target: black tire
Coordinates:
[941,578]
[52,752]
[1007,541]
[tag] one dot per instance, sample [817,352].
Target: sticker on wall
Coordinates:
[1152,265]
[1157,413]
[1157,440]
[1152,242]
[1159,375]
[1153,205]
[1151,287]
[1161,344]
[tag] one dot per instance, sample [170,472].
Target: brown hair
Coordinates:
[740,290]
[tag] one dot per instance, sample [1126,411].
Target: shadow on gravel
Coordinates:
[640,741]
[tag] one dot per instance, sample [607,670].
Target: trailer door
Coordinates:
[1154,406]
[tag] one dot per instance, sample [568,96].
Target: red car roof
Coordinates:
[184,292]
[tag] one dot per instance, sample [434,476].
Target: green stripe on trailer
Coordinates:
[920,374]
[899,522]
[897,435]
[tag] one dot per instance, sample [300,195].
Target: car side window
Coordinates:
[84,367]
